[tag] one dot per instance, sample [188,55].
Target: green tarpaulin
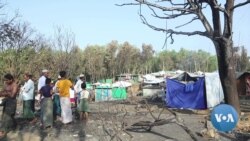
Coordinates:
[119,93]
[107,94]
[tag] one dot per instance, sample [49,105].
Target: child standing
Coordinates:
[84,105]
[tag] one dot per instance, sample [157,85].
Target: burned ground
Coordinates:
[140,119]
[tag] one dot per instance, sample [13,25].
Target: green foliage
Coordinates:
[98,62]
[21,52]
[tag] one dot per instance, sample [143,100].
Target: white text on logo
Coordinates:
[227,118]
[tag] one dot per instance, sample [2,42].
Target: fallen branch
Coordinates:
[148,125]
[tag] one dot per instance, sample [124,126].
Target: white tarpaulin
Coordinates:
[151,79]
[121,84]
[214,92]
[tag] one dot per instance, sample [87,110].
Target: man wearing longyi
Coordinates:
[10,90]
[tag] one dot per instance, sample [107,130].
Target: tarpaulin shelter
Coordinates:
[110,92]
[194,91]
[243,83]
[186,92]
[214,92]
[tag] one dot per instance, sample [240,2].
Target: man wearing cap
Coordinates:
[77,86]
[42,79]
[41,82]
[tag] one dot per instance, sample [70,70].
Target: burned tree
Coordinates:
[218,30]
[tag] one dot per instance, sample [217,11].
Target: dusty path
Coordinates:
[107,121]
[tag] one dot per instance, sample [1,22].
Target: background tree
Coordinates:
[244,59]
[124,58]
[146,57]
[16,42]
[241,59]
[93,62]
[212,63]
[135,66]
[22,49]
[109,59]
[165,60]
[221,36]
[64,45]
[76,65]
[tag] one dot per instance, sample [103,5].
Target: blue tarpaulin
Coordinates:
[188,96]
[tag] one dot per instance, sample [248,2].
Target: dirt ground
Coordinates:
[117,121]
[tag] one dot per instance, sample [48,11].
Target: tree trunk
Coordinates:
[224,50]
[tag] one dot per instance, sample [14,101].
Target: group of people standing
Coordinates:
[54,99]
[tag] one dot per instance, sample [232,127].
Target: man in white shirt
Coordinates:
[28,97]
[41,83]
[42,79]
[78,88]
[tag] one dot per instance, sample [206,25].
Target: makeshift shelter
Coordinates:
[214,92]
[243,83]
[109,92]
[124,77]
[184,91]
[194,91]
[152,85]
[103,93]
[119,90]
[151,79]
[150,90]
[119,93]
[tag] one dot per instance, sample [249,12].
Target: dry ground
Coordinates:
[116,121]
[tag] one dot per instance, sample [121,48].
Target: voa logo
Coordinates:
[224,117]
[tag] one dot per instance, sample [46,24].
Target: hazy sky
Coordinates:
[100,22]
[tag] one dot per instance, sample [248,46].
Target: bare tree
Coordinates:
[15,40]
[218,30]
[64,43]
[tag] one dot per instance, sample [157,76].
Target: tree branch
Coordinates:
[172,16]
[155,123]
[158,6]
[195,18]
[201,16]
[148,108]
[175,4]
[125,4]
[217,6]
[171,31]
[179,9]
[241,4]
